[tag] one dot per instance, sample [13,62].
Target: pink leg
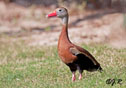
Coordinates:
[80,77]
[73,76]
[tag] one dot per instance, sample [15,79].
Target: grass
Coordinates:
[23,66]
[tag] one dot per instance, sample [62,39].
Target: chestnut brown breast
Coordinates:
[64,46]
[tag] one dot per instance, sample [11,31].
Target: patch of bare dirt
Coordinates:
[30,24]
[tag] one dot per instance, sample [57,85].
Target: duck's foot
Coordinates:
[73,76]
[80,77]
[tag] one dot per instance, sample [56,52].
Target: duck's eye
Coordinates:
[60,10]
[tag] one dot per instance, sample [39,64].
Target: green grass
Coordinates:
[23,66]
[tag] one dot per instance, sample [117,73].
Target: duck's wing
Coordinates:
[76,50]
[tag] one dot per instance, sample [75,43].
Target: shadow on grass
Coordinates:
[27,31]
[94,16]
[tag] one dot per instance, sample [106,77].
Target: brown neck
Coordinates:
[64,34]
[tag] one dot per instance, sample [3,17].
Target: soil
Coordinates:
[31,25]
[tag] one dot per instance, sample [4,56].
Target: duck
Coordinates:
[75,57]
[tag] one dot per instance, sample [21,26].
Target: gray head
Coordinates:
[59,12]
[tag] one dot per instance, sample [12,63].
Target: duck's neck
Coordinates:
[64,34]
[65,20]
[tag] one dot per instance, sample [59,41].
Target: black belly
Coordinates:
[83,63]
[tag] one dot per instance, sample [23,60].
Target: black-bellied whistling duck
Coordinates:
[72,55]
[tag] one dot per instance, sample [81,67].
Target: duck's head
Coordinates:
[59,12]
